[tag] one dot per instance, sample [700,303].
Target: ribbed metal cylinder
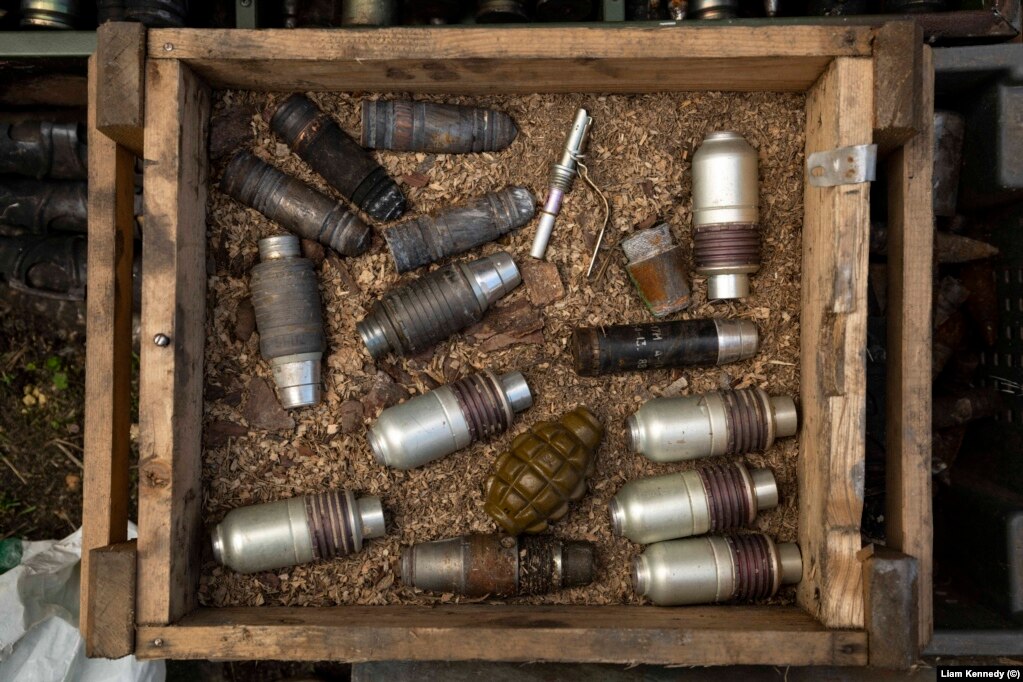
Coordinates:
[41,149]
[157,13]
[62,14]
[294,204]
[712,9]
[347,167]
[368,12]
[404,125]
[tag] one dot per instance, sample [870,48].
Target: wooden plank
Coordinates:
[108,353]
[173,303]
[898,109]
[833,325]
[121,59]
[890,589]
[910,245]
[520,60]
[615,634]
[111,623]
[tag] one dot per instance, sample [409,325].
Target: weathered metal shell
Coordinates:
[545,468]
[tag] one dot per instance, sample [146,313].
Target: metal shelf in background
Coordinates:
[47,44]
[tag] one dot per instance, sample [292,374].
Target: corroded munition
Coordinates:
[544,469]
[657,345]
[263,537]
[406,126]
[497,565]
[501,12]
[448,418]
[368,12]
[320,142]
[726,214]
[715,423]
[50,13]
[414,317]
[713,9]
[658,269]
[286,299]
[41,206]
[44,150]
[294,204]
[429,238]
[693,502]
[715,569]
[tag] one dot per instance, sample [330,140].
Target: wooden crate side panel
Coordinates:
[108,353]
[613,634]
[173,304]
[832,353]
[910,248]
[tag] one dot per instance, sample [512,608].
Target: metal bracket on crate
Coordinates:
[843,166]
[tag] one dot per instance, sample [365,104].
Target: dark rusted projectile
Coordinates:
[949,129]
[347,167]
[455,230]
[544,469]
[41,206]
[406,126]
[949,296]
[44,150]
[657,267]
[962,407]
[501,12]
[294,204]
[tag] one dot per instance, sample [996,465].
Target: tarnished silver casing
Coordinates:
[562,175]
[447,419]
[692,502]
[712,424]
[264,537]
[706,571]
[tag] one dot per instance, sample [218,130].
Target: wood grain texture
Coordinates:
[619,634]
[898,110]
[485,60]
[171,379]
[108,353]
[890,589]
[840,113]
[111,621]
[120,59]
[910,269]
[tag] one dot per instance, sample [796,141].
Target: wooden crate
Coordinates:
[863,84]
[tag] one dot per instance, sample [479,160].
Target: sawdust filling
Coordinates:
[639,154]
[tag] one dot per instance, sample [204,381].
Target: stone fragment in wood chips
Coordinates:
[231,129]
[244,320]
[351,412]
[415,180]
[263,410]
[383,394]
[218,433]
[543,283]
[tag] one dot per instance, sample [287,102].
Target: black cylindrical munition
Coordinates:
[286,299]
[47,266]
[429,238]
[713,9]
[50,13]
[40,149]
[501,12]
[263,537]
[407,126]
[658,269]
[563,10]
[949,129]
[715,569]
[659,345]
[157,13]
[424,312]
[368,12]
[294,204]
[347,167]
[497,565]
[431,12]
[39,207]
[726,214]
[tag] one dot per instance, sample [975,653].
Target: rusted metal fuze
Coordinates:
[713,9]
[50,13]
[949,131]
[544,469]
[562,176]
[407,126]
[726,214]
[44,150]
[694,502]
[448,418]
[426,311]
[657,267]
[659,345]
[427,239]
[347,167]
[294,204]
[715,423]
[501,12]
[368,12]
[563,10]
[157,13]
[286,299]
[715,569]
[41,206]
[497,565]
[264,537]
